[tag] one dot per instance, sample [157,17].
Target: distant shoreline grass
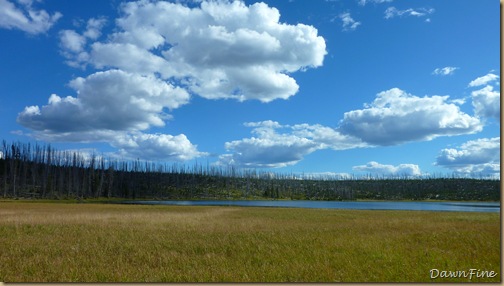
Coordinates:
[46,242]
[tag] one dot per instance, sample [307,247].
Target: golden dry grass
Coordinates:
[44,242]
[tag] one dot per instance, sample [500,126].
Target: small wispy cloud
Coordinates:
[392,12]
[445,71]
[364,2]
[349,24]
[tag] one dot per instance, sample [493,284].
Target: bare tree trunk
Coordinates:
[5,159]
[110,181]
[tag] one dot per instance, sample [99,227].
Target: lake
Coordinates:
[356,205]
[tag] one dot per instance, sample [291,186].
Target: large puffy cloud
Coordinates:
[274,149]
[221,49]
[481,156]
[269,149]
[280,151]
[131,145]
[114,107]
[327,137]
[157,147]
[486,100]
[397,117]
[376,168]
[25,17]
[111,100]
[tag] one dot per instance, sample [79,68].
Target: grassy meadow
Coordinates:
[47,242]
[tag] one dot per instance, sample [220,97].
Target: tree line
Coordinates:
[40,171]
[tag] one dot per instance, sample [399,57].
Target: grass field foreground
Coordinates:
[45,242]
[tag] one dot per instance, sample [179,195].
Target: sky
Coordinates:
[313,87]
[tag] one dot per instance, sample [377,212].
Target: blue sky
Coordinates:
[342,87]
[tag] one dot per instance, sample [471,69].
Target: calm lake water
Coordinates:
[392,205]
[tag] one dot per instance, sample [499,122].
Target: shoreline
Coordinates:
[115,200]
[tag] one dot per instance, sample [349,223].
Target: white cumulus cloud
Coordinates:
[486,102]
[273,148]
[327,137]
[484,80]
[269,148]
[72,41]
[94,27]
[481,156]
[25,17]
[156,147]
[114,107]
[396,117]
[110,100]
[73,45]
[376,168]
[248,53]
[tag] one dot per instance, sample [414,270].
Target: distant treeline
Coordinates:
[40,171]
